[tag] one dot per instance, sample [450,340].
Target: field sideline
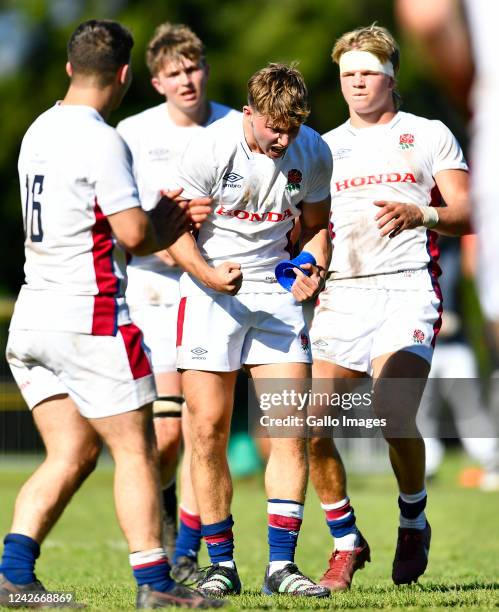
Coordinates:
[86,552]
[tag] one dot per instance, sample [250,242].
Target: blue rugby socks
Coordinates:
[284,521]
[189,535]
[340,519]
[18,560]
[220,541]
[151,567]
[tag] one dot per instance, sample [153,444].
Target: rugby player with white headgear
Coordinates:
[381,308]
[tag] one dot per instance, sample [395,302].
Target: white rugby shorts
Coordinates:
[103,375]
[354,325]
[221,332]
[153,301]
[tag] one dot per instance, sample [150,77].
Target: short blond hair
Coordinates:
[173,42]
[278,92]
[374,39]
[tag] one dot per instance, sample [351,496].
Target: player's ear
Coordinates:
[124,74]
[247,111]
[69,69]
[155,82]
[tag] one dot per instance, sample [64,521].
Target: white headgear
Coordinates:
[353,61]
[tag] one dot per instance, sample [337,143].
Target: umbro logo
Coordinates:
[158,154]
[232,177]
[319,343]
[199,351]
[342,153]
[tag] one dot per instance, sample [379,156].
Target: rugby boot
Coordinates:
[220,581]
[290,581]
[343,564]
[411,555]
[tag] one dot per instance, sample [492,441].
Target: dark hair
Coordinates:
[98,48]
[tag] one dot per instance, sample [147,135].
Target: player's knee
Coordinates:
[76,463]
[209,439]
[167,412]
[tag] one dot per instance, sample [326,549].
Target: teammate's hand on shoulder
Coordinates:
[306,287]
[226,278]
[395,217]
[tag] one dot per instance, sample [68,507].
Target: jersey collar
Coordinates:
[385,126]
[81,109]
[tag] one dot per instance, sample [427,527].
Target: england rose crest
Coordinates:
[294,180]
[406,141]
[418,336]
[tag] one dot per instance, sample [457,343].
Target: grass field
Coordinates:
[86,553]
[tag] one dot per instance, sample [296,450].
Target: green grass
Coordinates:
[86,552]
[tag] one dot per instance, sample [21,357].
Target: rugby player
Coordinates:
[72,348]
[263,174]
[381,308]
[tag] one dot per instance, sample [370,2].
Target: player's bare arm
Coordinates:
[165,257]
[225,278]
[136,231]
[453,218]
[315,239]
[197,210]
[144,233]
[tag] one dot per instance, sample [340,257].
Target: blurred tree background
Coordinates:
[241,36]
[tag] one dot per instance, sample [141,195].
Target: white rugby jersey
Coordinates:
[74,171]
[396,161]
[256,199]
[157,143]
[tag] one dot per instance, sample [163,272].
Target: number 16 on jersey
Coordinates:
[33,209]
